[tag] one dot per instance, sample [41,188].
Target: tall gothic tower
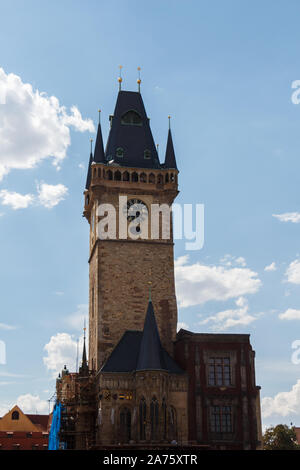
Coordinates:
[123,266]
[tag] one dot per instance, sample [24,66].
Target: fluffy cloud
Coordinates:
[15,200]
[61,350]
[293,272]
[231,317]
[271,267]
[28,403]
[198,283]
[283,404]
[293,217]
[290,314]
[32,404]
[50,195]
[33,125]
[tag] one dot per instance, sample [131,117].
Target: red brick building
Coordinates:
[20,431]
[223,398]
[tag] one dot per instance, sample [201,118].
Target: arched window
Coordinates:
[15,415]
[159,179]
[131,118]
[125,425]
[134,177]
[143,416]
[143,178]
[172,425]
[117,176]
[125,176]
[164,417]
[167,178]
[99,172]
[154,418]
[151,178]
[109,175]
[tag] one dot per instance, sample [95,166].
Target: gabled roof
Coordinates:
[141,350]
[134,139]
[170,160]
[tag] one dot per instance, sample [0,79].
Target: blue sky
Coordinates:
[223,71]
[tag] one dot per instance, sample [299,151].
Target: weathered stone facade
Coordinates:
[120,270]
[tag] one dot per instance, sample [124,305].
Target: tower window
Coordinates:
[120,152]
[143,416]
[147,154]
[219,373]
[221,419]
[131,118]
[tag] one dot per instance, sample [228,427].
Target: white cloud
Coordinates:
[283,404]
[198,283]
[76,319]
[33,125]
[293,217]
[293,272]
[271,267]
[32,404]
[229,260]
[50,195]
[62,350]
[290,314]
[182,325]
[231,317]
[15,200]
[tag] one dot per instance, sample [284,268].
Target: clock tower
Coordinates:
[128,182]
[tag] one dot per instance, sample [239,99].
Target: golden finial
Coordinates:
[169,117]
[91,140]
[84,329]
[120,77]
[99,112]
[139,81]
[157,148]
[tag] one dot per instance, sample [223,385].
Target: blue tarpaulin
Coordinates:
[55,427]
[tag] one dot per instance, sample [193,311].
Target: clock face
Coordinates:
[135,208]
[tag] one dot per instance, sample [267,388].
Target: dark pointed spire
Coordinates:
[89,173]
[84,369]
[151,355]
[99,149]
[170,160]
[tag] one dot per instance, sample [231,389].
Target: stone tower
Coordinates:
[123,266]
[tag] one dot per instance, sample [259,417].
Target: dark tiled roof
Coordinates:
[89,173]
[133,139]
[151,355]
[141,350]
[40,420]
[170,160]
[99,149]
[124,357]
